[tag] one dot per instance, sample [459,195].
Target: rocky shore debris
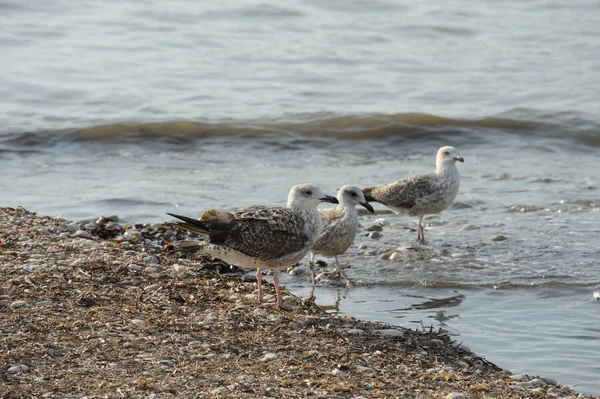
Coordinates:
[83,317]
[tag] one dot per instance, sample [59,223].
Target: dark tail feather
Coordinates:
[189,224]
[367,193]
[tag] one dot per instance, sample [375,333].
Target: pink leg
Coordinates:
[340,271]
[312,268]
[280,302]
[259,284]
[420,234]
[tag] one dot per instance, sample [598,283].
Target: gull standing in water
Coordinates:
[261,236]
[422,194]
[340,225]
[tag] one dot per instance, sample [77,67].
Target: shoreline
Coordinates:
[94,310]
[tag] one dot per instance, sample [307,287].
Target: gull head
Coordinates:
[307,196]
[448,156]
[352,195]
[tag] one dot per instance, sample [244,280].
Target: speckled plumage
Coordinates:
[422,194]
[340,225]
[261,236]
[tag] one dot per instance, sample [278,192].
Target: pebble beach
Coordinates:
[97,309]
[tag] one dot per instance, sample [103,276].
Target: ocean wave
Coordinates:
[577,127]
[474,286]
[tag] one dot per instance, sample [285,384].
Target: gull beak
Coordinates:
[368,207]
[459,159]
[329,198]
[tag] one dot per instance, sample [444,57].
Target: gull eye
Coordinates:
[308,193]
[353,194]
[446,152]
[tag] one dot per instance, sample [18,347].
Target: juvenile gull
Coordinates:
[422,194]
[261,236]
[340,225]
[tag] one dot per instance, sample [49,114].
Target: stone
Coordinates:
[538,382]
[269,357]
[375,235]
[83,234]
[179,268]
[382,222]
[391,332]
[498,238]
[337,372]
[456,395]
[395,256]
[135,267]
[355,331]
[17,369]
[549,381]
[18,304]
[374,227]
[260,312]
[132,235]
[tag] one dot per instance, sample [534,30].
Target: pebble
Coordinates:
[18,304]
[42,304]
[382,222]
[437,342]
[362,369]
[211,317]
[260,312]
[375,235]
[363,246]
[522,384]
[355,331]
[132,235]
[549,381]
[133,266]
[17,369]
[519,377]
[456,395]
[217,390]
[384,256]
[269,357]
[152,259]
[463,364]
[227,356]
[391,332]
[73,227]
[151,269]
[167,362]
[395,256]
[538,382]
[375,227]
[137,321]
[179,268]
[468,227]
[275,318]
[338,372]
[83,234]
[91,227]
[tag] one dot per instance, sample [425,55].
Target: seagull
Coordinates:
[422,194]
[261,236]
[340,225]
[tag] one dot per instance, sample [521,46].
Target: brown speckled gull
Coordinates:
[340,225]
[261,236]
[422,194]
